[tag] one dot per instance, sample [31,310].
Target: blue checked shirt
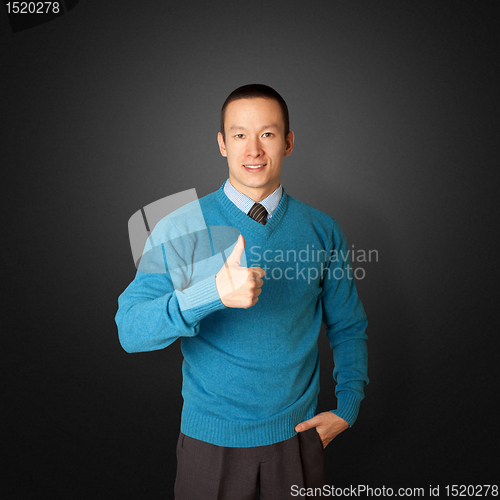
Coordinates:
[244,203]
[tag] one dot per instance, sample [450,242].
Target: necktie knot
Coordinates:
[258,213]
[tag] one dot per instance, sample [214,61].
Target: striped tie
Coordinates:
[258,213]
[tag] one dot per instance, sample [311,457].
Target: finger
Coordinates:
[257,272]
[255,277]
[303,426]
[237,252]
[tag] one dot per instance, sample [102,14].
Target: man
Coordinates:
[249,333]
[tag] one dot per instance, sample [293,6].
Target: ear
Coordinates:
[222,146]
[290,139]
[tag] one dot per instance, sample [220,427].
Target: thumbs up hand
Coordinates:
[239,286]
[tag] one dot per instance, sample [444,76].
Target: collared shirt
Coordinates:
[244,203]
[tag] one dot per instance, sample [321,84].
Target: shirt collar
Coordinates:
[244,203]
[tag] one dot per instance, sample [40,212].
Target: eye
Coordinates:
[268,134]
[239,136]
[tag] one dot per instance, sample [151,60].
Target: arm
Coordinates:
[153,312]
[169,295]
[150,317]
[345,322]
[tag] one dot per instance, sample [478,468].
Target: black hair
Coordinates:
[253,91]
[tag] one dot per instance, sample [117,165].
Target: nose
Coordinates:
[254,148]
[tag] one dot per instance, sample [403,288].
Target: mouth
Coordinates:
[254,168]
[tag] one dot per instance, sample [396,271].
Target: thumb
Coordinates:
[237,252]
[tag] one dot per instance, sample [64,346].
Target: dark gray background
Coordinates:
[114,105]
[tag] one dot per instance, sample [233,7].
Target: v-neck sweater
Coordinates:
[251,375]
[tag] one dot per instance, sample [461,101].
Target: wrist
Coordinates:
[199,300]
[347,406]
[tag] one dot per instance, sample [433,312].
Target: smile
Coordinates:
[255,167]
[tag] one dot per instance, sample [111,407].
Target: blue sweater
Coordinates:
[249,375]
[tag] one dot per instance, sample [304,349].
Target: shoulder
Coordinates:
[183,215]
[305,209]
[179,213]
[311,214]
[210,201]
[321,222]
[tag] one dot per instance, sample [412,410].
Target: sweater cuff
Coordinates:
[347,406]
[199,300]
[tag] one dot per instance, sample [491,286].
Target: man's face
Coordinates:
[255,145]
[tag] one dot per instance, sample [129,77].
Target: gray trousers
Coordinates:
[275,471]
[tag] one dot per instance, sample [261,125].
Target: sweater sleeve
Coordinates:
[166,300]
[345,322]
